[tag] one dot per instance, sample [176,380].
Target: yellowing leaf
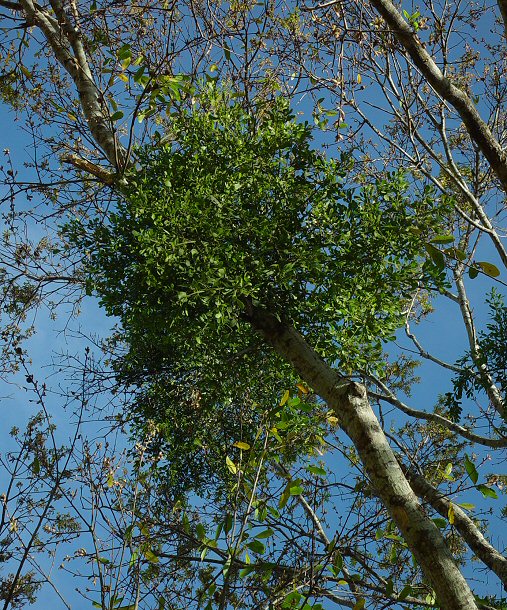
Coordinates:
[124,77]
[285,398]
[26,72]
[450,514]
[110,479]
[231,465]
[359,80]
[334,421]
[274,432]
[150,556]
[359,605]
[489,268]
[302,388]
[242,445]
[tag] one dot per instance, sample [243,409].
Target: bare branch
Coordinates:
[477,128]
[462,522]
[502,4]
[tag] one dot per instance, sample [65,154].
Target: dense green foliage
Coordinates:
[240,207]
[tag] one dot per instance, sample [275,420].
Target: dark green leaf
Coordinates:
[256,547]
[405,592]
[436,255]
[487,492]
[471,470]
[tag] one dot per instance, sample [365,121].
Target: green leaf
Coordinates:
[436,255]
[292,600]
[446,473]
[36,466]
[256,547]
[103,560]
[246,571]
[200,531]
[117,115]
[231,465]
[26,71]
[228,523]
[489,268]
[466,506]
[242,445]
[471,470]
[405,592]
[473,272]
[133,559]
[285,496]
[296,490]
[456,253]
[442,239]
[150,556]
[138,75]
[360,604]
[440,522]
[265,534]
[487,492]
[337,562]
[124,52]
[285,398]
[316,470]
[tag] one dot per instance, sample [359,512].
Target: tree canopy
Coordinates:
[239,209]
[295,215]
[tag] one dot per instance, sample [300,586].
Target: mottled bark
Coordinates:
[443,86]
[65,41]
[350,403]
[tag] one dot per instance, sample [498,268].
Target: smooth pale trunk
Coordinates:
[350,404]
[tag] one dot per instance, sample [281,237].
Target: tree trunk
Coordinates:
[350,404]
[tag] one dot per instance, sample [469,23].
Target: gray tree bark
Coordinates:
[443,86]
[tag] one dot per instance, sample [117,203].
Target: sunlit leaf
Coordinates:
[489,268]
[150,556]
[231,465]
[487,492]
[442,239]
[316,470]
